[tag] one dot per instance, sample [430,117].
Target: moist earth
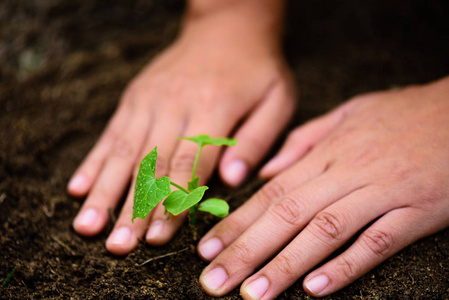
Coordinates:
[63,66]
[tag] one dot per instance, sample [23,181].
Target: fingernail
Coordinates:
[317,284]
[211,248]
[87,218]
[120,236]
[257,288]
[215,278]
[155,229]
[236,172]
[77,182]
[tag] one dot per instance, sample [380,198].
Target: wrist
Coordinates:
[258,21]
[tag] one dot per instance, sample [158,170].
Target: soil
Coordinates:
[63,66]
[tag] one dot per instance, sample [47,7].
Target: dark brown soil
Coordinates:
[63,65]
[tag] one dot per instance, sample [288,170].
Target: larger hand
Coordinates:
[219,73]
[380,161]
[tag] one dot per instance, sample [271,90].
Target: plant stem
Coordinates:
[179,187]
[8,278]
[192,214]
[196,161]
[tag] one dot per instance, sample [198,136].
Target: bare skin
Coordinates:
[381,160]
[225,73]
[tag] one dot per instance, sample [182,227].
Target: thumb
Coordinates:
[301,140]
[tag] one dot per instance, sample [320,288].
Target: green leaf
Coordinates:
[149,190]
[179,201]
[191,185]
[204,140]
[217,207]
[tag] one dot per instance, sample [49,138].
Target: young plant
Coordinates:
[149,190]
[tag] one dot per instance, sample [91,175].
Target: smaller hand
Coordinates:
[217,78]
[380,161]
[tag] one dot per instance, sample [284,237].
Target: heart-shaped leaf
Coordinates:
[149,190]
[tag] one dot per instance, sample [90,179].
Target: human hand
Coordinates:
[215,76]
[379,163]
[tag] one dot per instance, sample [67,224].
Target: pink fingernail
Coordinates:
[120,236]
[155,229]
[317,284]
[211,248]
[236,172]
[78,182]
[258,288]
[87,218]
[215,278]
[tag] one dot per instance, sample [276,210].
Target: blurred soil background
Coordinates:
[63,66]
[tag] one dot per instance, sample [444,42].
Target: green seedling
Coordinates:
[8,278]
[149,190]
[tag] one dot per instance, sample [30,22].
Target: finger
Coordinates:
[384,238]
[229,229]
[114,177]
[126,234]
[326,232]
[301,140]
[86,174]
[257,134]
[281,222]
[162,229]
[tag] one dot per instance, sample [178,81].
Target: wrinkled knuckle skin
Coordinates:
[183,163]
[367,156]
[229,227]
[270,192]
[328,226]
[400,171]
[287,211]
[287,265]
[123,149]
[379,242]
[348,269]
[240,254]
[102,192]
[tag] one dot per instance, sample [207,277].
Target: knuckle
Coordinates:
[287,265]
[231,226]
[208,95]
[110,135]
[367,156]
[348,268]
[270,192]
[123,149]
[400,171]
[287,210]
[328,225]
[378,242]
[241,254]
[183,163]
[102,192]
[342,137]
